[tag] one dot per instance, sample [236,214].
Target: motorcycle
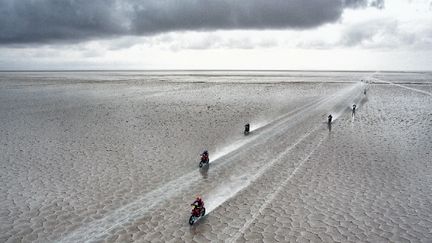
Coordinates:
[204,160]
[330,117]
[196,214]
[247,129]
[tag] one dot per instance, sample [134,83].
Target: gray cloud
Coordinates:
[355,3]
[377,4]
[383,34]
[46,21]
[364,32]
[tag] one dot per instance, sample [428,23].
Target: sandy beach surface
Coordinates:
[113,156]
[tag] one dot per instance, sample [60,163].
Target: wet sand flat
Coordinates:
[116,160]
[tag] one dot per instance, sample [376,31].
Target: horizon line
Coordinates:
[207,70]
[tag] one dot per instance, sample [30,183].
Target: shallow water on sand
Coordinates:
[113,156]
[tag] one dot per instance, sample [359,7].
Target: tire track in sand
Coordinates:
[272,196]
[403,86]
[144,204]
[237,188]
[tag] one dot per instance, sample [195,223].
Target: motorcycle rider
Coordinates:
[330,117]
[198,204]
[205,157]
[353,109]
[247,128]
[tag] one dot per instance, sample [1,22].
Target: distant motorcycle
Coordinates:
[196,214]
[247,129]
[204,159]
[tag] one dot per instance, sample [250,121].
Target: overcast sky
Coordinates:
[216,34]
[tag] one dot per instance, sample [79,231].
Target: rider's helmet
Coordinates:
[205,152]
[198,198]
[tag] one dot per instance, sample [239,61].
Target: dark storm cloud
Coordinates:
[38,21]
[41,21]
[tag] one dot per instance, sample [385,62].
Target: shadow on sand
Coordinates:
[195,229]
[204,171]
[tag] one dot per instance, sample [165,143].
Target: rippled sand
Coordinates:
[117,160]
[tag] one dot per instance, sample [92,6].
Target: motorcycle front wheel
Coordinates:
[191,220]
[203,212]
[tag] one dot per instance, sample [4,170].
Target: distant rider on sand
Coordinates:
[198,203]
